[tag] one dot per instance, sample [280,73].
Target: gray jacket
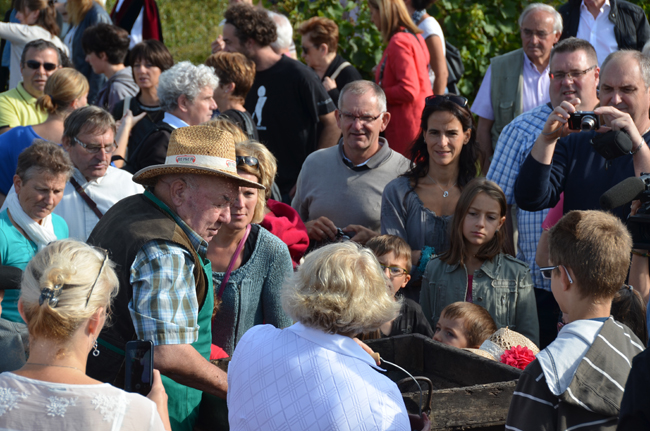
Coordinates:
[503,286]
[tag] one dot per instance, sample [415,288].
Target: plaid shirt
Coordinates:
[164,307]
[515,142]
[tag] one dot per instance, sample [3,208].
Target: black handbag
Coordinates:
[454,66]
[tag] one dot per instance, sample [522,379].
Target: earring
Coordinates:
[497,230]
[95,349]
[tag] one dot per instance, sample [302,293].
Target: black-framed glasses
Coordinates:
[547,272]
[35,65]
[363,119]
[248,161]
[94,149]
[559,76]
[101,268]
[394,271]
[305,49]
[436,100]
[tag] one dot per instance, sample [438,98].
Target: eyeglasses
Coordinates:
[363,119]
[94,149]
[101,268]
[559,76]
[33,64]
[436,100]
[394,271]
[305,49]
[540,34]
[248,161]
[548,271]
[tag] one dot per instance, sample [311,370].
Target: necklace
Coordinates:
[52,365]
[445,193]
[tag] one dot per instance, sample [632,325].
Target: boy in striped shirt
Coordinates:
[577,382]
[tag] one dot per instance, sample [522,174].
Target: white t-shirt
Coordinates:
[430,27]
[28,404]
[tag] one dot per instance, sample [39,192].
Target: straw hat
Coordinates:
[203,150]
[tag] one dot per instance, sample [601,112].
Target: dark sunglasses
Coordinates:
[33,64]
[248,161]
[436,100]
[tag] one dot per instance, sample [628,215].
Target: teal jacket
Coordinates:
[503,286]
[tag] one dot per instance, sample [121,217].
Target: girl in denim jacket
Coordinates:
[476,270]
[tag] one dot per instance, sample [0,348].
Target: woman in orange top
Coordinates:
[402,72]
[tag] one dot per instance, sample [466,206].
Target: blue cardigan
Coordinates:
[252,295]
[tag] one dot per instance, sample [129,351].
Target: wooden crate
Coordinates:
[470,392]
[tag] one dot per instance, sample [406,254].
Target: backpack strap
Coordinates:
[339,69]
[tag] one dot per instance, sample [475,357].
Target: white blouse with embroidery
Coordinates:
[28,404]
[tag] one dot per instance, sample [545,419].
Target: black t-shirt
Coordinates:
[285,103]
[345,76]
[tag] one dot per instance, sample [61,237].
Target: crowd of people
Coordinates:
[257,218]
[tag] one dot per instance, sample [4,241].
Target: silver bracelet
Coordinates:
[638,147]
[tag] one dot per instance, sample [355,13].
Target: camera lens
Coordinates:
[588,123]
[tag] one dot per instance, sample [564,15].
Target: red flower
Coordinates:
[518,357]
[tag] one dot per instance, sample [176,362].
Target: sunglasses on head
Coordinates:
[33,64]
[436,100]
[248,161]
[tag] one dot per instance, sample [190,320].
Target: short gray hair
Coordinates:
[284,32]
[642,60]
[184,78]
[362,87]
[534,7]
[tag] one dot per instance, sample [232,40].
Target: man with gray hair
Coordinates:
[185,92]
[518,81]
[283,45]
[341,186]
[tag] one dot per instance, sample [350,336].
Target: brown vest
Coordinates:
[124,229]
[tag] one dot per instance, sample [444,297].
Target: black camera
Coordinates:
[584,120]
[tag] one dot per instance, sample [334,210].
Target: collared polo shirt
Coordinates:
[18,108]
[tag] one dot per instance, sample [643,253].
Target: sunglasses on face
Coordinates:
[248,161]
[35,65]
[436,100]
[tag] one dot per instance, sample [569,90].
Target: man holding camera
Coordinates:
[571,164]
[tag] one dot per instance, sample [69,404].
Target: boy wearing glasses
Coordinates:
[394,256]
[579,379]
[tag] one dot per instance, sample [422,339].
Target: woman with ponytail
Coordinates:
[37,21]
[65,298]
[65,91]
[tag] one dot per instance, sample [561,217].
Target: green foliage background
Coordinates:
[480,29]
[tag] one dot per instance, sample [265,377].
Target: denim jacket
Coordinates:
[503,286]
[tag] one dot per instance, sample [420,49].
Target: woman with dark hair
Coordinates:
[403,72]
[418,206]
[236,74]
[435,41]
[148,59]
[37,21]
[81,15]
[475,269]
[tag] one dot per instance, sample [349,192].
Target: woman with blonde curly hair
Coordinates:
[338,292]
[65,91]
[65,297]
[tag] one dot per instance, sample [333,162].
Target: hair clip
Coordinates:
[50,295]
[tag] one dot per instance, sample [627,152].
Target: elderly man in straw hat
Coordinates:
[159,241]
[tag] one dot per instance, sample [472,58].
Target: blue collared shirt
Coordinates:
[515,142]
